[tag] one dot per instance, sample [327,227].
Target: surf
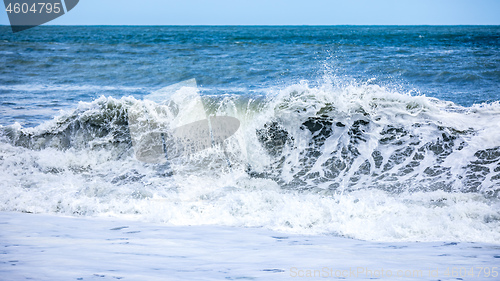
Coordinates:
[305,159]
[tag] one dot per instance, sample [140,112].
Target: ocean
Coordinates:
[358,149]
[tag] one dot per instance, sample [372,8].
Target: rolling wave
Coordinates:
[305,159]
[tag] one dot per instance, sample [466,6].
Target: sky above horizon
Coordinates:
[280,12]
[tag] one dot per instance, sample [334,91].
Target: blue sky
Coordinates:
[280,12]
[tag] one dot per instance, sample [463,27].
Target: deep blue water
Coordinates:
[48,68]
[374,133]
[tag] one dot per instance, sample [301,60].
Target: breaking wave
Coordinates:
[357,160]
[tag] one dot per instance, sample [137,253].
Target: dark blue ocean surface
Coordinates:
[374,133]
[49,68]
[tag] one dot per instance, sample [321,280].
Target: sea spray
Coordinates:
[359,161]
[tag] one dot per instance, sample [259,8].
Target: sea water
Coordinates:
[359,148]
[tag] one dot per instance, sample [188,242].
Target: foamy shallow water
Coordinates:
[49,247]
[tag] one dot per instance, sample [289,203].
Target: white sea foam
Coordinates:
[82,163]
[46,247]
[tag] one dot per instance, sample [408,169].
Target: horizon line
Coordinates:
[266,25]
